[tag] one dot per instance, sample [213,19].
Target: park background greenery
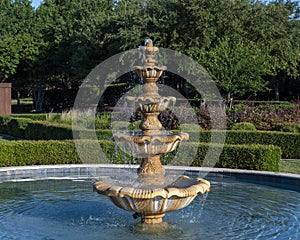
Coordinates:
[250,48]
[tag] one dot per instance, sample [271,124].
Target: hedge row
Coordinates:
[41,130]
[288,142]
[35,117]
[25,128]
[254,157]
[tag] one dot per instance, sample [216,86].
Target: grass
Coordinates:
[290,166]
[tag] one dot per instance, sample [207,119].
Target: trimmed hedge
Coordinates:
[288,142]
[27,152]
[14,126]
[26,128]
[42,130]
[18,153]
[246,126]
[34,117]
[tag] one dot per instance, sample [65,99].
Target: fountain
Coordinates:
[153,193]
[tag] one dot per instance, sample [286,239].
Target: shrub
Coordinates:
[102,121]
[17,126]
[4,120]
[46,131]
[288,127]
[20,153]
[188,127]
[252,157]
[14,126]
[17,153]
[288,142]
[34,117]
[243,126]
[265,117]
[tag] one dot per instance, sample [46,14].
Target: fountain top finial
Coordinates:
[148,42]
[148,51]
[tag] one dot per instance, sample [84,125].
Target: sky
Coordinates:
[36,3]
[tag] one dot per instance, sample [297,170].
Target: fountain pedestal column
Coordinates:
[151,169]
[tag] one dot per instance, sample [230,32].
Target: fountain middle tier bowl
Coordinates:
[152,104]
[152,202]
[150,72]
[139,145]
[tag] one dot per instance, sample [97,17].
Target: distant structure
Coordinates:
[5,98]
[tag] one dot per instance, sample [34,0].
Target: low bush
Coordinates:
[17,127]
[41,130]
[18,153]
[34,117]
[252,157]
[288,127]
[288,142]
[21,153]
[55,131]
[243,126]
[4,120]
[265,117]
[14,126]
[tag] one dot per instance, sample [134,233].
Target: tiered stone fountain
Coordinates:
[156,193]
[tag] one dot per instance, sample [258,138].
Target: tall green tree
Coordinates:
[241,43]
[19,45]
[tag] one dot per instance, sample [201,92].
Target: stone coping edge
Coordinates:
[72,171]
[19,169]
[77,169]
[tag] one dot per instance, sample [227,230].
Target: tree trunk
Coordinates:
[229,101]
[38,98]
[276,88]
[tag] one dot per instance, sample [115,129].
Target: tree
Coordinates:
[19,43]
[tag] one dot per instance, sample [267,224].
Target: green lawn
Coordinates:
[291,166]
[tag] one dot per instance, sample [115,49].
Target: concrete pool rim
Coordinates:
[39,172]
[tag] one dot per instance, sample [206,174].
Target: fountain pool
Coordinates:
[57,202]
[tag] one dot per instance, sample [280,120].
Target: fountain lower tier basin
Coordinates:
[152,202]
[139,145]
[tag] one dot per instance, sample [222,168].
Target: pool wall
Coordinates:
[27,173]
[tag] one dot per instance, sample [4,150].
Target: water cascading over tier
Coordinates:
[155,194]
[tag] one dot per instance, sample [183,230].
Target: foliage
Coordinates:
[243,126]
[39,130]
[290,166]
[34,117]
[247,47]
[288,127]
[18,153]
[268,117]
[252,157]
